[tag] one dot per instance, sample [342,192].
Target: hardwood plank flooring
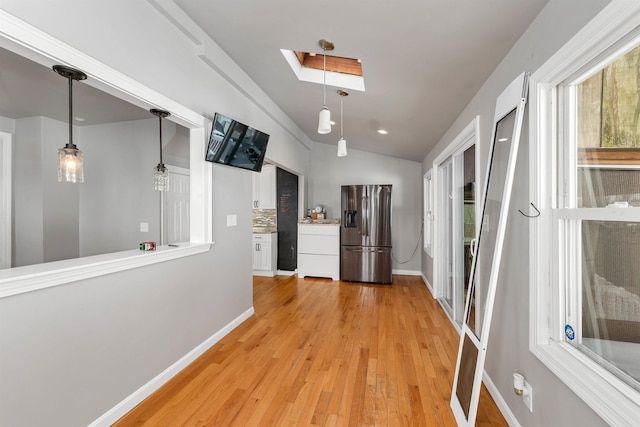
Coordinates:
[322,353]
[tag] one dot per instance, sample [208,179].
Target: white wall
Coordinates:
[45,212]
[27,228]
[104,213]
[61,232]
[72,352]
[329,172]
[508,351]
[118,194]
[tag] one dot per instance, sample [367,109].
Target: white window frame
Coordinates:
[32,43]
[427,218]
[615,401]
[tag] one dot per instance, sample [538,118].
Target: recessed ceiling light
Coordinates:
[503,139]
[333,122]
[79,119]
[382,132]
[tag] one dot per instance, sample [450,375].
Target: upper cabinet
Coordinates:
[264,188]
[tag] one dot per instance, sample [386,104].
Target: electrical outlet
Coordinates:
[527,396]
[144,227]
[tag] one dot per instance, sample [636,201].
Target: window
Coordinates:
[427,199]
[585,175]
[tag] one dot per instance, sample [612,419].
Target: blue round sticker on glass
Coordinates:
[569,332]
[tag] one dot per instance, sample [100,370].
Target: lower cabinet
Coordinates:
[265,254]
[319,250]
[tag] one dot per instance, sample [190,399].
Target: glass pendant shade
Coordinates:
[70,165]
[161,178]
[324,121]
[342,147]
[70,162]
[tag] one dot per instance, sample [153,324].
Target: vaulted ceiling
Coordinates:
[422,60]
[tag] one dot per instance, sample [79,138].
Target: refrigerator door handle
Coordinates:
[365,213]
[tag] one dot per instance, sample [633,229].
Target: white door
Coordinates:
[5,200]
[176,205]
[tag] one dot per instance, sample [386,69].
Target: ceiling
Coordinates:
[422,60]
[28,89]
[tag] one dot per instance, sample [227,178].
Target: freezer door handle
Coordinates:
[367,249]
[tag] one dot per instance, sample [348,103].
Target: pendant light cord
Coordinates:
[70,145]
[324,75]
[160,125]
[341,120]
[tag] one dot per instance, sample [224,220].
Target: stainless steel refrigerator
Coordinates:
[365,234]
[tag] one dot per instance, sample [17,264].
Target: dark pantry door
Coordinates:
[287,205]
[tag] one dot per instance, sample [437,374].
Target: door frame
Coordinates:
[6,146]
[166,216]
[466,138]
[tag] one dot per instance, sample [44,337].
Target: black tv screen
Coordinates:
[235,144]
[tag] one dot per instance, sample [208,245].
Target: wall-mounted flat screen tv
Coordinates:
[235,144]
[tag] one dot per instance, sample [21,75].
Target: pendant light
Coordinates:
[160,172]
[342,143]
[324,118]
[70,161]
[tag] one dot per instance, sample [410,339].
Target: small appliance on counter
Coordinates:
[318,212]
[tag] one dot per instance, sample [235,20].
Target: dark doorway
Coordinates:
[287,217]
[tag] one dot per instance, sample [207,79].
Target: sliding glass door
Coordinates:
[456,224]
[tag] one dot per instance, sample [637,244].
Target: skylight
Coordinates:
[341,72]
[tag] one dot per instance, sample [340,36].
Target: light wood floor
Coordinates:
[324,353]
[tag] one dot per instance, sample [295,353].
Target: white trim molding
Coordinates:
[122,408]
[616,402]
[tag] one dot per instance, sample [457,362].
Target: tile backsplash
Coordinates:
[264,221]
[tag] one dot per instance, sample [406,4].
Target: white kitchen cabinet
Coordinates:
[264,188]
[319,250]
[265,254]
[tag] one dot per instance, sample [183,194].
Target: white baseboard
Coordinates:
[426,282]
[407,272]
[511,419]
[122,408]
[286,273]
[265,273]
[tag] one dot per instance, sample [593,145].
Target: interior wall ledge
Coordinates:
[20,280]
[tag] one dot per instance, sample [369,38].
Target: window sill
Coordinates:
[617,404]
[19,280]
